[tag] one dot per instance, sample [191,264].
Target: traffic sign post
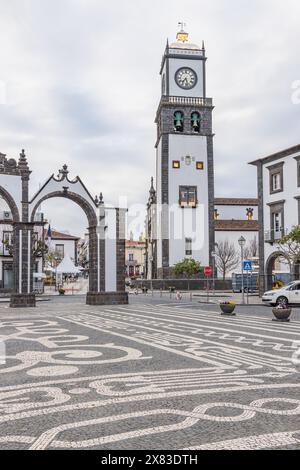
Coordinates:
[207,273]
[248,265]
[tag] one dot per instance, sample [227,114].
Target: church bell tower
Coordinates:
[184,158]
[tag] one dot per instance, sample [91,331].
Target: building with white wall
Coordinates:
[135,258]
[64,244]
[278,181]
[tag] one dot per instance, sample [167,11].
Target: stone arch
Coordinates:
[92,225]
[11,204]
[270,267]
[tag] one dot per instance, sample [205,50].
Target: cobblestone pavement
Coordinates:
[147,376]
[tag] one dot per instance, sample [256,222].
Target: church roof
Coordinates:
[185,46]
[55,235]
[236,225]
[233,201]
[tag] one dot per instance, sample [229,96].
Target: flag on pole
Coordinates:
[49,236]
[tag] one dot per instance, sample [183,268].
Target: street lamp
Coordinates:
[213,255]
[242,242]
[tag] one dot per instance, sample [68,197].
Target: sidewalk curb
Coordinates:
[237,305]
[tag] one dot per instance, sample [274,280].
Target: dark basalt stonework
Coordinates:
[22,300]
[107,298]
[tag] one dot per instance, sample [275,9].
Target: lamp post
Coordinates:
[56,258]
[213,255]
[242,242]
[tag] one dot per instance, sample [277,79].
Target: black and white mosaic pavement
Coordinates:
[147,376]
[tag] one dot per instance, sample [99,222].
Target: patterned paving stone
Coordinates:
[147,376]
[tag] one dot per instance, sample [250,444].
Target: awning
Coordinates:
[67,266]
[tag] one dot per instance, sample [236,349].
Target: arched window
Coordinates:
[178,121]
[195,121]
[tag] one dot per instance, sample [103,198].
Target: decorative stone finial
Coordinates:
[152,190]
[64,171]
[101,201]
[23,159]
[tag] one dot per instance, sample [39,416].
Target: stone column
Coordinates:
[102,297]
[93,259]
[23,295]
[120,247]
[101,241]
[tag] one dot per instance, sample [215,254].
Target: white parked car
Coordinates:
[289,294]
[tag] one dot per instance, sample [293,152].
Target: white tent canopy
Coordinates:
[67,266]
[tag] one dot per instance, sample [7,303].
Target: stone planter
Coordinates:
[282,314]
[227,309]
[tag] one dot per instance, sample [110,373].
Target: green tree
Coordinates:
[289,245]
[187,267]
[53,258]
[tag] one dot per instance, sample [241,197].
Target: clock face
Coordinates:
[186,78]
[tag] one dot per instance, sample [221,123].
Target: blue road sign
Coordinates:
[247,265]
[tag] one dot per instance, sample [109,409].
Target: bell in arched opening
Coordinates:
[178,121]
[195,121]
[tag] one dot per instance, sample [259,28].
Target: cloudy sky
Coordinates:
[79,84]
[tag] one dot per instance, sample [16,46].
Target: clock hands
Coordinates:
[186,78]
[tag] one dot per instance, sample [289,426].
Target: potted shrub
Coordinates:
[227,308]
[61,291]
[282,313]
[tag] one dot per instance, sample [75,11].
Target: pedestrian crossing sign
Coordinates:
[247,265]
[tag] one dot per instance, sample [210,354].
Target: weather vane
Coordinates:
[182,36]
[182,26]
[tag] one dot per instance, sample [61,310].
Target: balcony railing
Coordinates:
[273,236]
[186,100]
[130,262]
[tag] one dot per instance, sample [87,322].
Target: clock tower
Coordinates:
[184,158]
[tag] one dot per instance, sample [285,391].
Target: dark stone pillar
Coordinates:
[22,295]
[260,189]
[93,259]
[211,196]
[101,241]
[120,247]
[120,296]
[107,298]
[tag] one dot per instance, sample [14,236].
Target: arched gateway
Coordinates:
[106,226]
